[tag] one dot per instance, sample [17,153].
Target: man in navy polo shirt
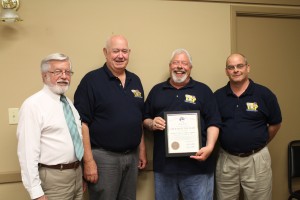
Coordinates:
[193,176]
[251,118]
[110,101]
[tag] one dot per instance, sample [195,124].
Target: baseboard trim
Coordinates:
[10,177]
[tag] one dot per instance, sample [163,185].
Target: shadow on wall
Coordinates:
[10,33]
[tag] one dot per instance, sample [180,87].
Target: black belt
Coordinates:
[245,154]
[117,151]
[73,165]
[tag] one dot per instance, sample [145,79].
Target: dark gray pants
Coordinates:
[117,175]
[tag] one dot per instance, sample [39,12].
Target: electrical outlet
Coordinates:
[13,115]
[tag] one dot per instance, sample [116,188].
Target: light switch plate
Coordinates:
[13,115]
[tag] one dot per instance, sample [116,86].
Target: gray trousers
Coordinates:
[117,175]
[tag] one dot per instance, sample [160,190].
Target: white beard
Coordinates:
[56,88]
[179,80]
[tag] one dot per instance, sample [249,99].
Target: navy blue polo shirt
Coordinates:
[246,118]
[114,114]
[194,96]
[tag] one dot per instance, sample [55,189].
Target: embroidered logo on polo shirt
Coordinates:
[190,98]
[137,93]
[252,107]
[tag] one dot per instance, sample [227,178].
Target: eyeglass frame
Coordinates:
[238,66]
[61,72]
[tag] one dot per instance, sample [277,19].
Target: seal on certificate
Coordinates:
[175,145]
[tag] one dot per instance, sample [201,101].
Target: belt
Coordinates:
[121,152]
[245,154]
[73,165]
[116,151]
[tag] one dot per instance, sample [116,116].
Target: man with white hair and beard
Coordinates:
[193,175]
[49,136]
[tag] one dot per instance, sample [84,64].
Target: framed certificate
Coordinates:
[182,133]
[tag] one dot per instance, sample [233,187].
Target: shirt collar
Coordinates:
[248,91]
[110,74]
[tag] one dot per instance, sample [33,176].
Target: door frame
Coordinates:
[253,11]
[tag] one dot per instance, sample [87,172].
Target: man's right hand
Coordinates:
[90,172]
[158,123]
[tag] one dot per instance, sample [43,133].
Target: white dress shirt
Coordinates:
[43,137]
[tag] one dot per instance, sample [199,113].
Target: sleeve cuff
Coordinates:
[36,192]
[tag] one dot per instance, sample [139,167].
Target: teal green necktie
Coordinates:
[78,146]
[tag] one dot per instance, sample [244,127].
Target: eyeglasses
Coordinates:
[182,63]
[60,72]
[238,66]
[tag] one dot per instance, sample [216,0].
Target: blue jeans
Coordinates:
[192,187]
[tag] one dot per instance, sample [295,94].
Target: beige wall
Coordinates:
[79,28]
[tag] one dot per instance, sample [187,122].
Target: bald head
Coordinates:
[235,56]
[115,38]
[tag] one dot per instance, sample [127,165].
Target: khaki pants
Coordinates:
[62,184]
[253,174]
